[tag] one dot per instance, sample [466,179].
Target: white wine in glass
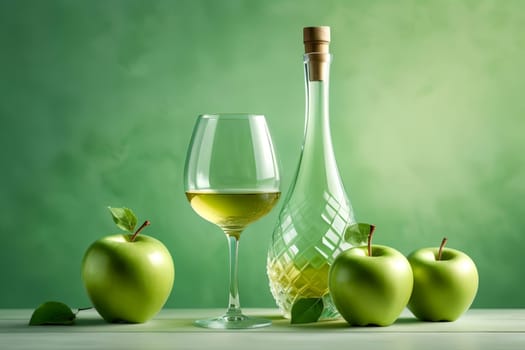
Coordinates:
[232,179]
[231,210]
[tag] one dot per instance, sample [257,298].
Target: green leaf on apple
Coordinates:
[357,234]
[124,218]
[52,313]
[307,310]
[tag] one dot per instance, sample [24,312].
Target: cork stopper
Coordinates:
[316,39]
[316,47]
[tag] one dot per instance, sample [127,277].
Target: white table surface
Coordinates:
[492,329]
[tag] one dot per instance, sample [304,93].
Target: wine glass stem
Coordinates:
[234,306]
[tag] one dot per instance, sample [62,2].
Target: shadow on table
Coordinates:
[23,325]
[339,324]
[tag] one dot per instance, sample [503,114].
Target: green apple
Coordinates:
[445,283]
[370,285]
[128,277]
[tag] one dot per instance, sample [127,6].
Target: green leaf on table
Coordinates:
[52,313]
[124,218]
[307,310]
[357,234]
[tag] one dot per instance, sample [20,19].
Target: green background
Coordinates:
[98,100]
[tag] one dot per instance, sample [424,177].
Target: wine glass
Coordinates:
[231,179]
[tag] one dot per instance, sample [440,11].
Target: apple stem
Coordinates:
[443,242]
[372,229]
[146,223]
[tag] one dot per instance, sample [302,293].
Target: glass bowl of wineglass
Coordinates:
[231,179]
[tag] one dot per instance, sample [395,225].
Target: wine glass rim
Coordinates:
[230,115]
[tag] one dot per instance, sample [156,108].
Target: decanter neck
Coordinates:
[317,168]
[318,66]
[317,76]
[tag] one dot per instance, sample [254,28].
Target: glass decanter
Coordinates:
[309,233]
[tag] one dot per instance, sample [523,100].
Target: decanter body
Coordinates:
[309,233]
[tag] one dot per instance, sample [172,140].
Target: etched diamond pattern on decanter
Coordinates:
[298,264]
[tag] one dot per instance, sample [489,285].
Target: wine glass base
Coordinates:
[233,322]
